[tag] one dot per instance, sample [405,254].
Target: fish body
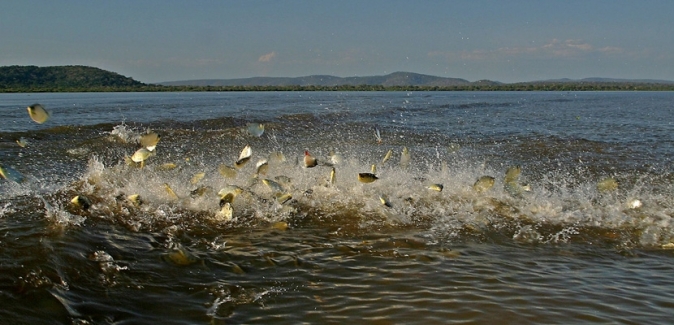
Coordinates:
[367,177]
[22,142]
[81,202]
[244,157]
[273,186]
[38,114]
[149,140]
[309,160]
[333,177]
[141,155]
[388,155]
[262,167]
[134,199]
[384,201]
[11,174]
[377,135]
[405,158]
[436,187]
[255,129]
[226,211]
[512,174]
[226,171]
[483,184]
[607,184]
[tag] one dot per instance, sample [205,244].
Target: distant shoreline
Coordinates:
[502,87]
[71,79]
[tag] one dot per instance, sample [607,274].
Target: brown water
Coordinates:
[563,253]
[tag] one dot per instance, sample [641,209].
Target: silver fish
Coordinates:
[38,114]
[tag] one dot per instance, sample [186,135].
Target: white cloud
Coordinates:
[266,57]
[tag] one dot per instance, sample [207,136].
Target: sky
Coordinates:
[506,41]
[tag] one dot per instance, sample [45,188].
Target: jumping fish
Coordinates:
[170,192]
[332,176]
[512,174]
[261,167]
[38,114]
[367,177]
[384,201]
[81,202]
[167,166]
[405,158]
[228,193]
[436,187]
[244,157]
[309,160]
[226,171]
[141,155]
[607,184]
[226,211]
[283,198]
[197,177]
[134,199]
[377,135]
[149,140]
[200,191]
[22,142]
[273,186]
[335,158]
[483,184]
[11,174]
[255,129]
[388,155]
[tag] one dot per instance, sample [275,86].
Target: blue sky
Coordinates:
[508,41]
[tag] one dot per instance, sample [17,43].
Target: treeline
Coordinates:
[26,79]
[63,79]
[503,87]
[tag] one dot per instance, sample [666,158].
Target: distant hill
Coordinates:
[606,80]
[389,80]
[62,78]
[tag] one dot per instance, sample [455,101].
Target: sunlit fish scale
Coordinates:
[373,169]
[81,202]
[11,174]
[367,177]
[309,160]
[149,140]
[388,155]
[262,167]
[244,157]
[38,114]
[22,142]
[607,184]
[226,171]
[170,191]
[255,129]
[512,174]
[436,187]
[405,158]
[483,184]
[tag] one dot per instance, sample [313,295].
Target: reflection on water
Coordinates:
[423,243]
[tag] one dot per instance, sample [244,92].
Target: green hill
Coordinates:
[63,78]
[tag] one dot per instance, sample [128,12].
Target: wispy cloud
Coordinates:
[266,57]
